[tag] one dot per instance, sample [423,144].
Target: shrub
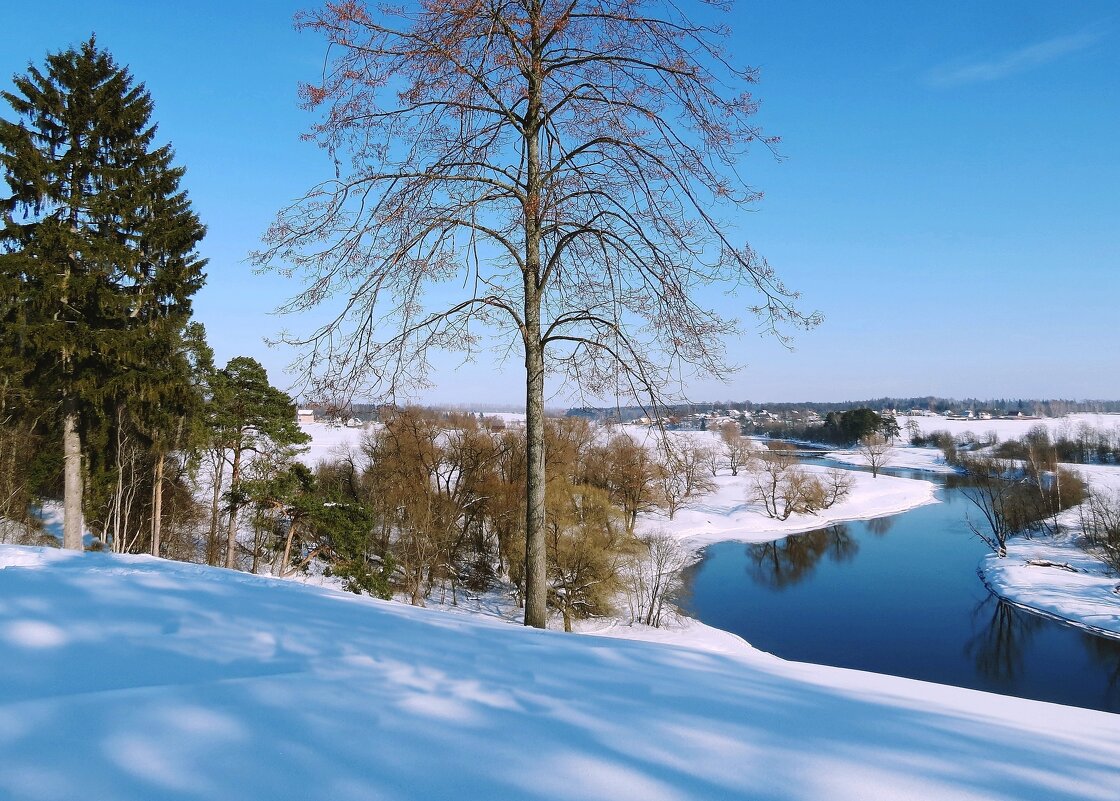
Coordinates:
[1100,523]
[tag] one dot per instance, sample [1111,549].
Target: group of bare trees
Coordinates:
[785,488]
[1018,496]
[1100,525]
[562,162]
[446,513]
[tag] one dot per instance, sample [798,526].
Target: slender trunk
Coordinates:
[536,597]
[286,558]
[118,496]
[536,591]
[215,508]
[157,503]
[231,534]
[72,481]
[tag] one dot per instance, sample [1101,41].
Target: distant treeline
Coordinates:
[997,406]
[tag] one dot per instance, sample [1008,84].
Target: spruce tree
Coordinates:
[97,244]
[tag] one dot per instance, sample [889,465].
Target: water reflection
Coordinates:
[1002,635]
[791,560]
[880,525]
[1106,652]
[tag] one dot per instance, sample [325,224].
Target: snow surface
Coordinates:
[132,678]
[728,514]
[1012,429]
[929,460]
[330,442]
[1085,596]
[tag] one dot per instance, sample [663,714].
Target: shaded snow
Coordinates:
[135,678]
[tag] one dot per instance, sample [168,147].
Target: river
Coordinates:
[899,595]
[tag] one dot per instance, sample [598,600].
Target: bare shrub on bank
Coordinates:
[655,576]
[682,473]
[1015,498]
[1100,523]
[785,488]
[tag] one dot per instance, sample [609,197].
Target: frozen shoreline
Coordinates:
[1084,596]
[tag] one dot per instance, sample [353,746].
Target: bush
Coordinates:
[785,488]
[1100,524]
[655,573]
[359,576]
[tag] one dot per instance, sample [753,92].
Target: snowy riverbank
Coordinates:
[729,514]
[1084,595]
[136,678]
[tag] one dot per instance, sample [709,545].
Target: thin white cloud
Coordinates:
[959,72]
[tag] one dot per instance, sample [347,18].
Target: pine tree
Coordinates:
[97,243]
[249,413]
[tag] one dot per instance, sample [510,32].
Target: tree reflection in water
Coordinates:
[997,647]
[880,525]
[1106,651]
[791,560]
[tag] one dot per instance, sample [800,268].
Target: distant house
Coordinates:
[305,415]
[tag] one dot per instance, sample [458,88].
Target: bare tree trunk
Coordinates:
[286,558]
[215,507]
[72,478]
[536,591]
[231,534]
[117,526]
[157,503]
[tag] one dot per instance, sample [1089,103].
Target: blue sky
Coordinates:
[948,197]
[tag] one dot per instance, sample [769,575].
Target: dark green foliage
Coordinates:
[98,239]
[247,415]
[851,426]
[347,531]
[359,577]
[98,265]
[247,409]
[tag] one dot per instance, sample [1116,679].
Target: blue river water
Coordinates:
[899,595]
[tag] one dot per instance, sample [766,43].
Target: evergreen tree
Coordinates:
[248,414]
[97,246]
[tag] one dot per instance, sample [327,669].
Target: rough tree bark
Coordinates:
[72,482]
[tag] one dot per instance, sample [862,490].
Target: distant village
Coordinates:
[362,415]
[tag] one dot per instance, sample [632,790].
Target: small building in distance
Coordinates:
[305,415]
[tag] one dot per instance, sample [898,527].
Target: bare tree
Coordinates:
[655,577]
[1100,525]
[737,451]
[876,449]
[562,162]
[784,487]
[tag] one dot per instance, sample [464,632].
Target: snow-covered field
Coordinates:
[130,678]
[930,460]
[1013,429]
[330,442]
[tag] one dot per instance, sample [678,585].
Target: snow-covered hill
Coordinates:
[132,678]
